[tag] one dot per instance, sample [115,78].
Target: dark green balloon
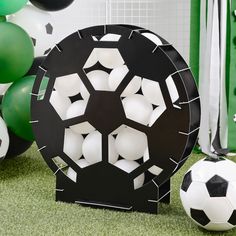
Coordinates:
[16,52]
[8,7]
[2,19]
[16,106]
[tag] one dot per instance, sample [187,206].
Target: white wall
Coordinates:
[168,18]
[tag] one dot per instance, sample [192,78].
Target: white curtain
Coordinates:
[213,130]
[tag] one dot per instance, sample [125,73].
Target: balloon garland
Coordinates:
[23,46]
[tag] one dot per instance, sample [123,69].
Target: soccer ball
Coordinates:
[208,194]
[235,118]
[4,139]
[38,24]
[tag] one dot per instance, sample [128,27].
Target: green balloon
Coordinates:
[8,7]
[2,19]
[16,106]
[16,52]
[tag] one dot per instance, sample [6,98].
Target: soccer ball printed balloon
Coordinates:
[4,139]
[101,81]
[208,194]
[39,25]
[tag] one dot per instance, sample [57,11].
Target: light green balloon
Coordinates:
[8,7]
[16,52]
[2,19]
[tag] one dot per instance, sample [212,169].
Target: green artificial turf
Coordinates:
[27,207]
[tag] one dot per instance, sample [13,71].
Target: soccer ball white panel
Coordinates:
[218,209]
[184,201]
[198,195]
[231,193]
[218,226]
[203,170]
[228,165]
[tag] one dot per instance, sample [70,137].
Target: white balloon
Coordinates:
[131,144]
[82,163]
[4,88]
[92,148]
[117,75]
[99,80]
[153,38]
[118,130]
[152,92]
[4,139]
[111,37]
[77,109]
[129,166]
[68,85]
[39,25]
[156,114]
[110,58]
[155,169]
[60,103]
[138,108]
[73,144]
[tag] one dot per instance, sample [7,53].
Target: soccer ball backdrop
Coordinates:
[119,116]
[208,194]
[39,28]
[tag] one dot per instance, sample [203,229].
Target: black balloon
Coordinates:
[34,68]
[17,145]
[51,5]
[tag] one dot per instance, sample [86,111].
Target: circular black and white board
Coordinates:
[119,116]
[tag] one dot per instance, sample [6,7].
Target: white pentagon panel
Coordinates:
[218,209]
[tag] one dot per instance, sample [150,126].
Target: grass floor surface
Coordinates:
[27,207]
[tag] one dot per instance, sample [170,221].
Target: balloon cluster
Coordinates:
[27,36]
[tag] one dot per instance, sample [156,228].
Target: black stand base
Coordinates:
[114,193]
